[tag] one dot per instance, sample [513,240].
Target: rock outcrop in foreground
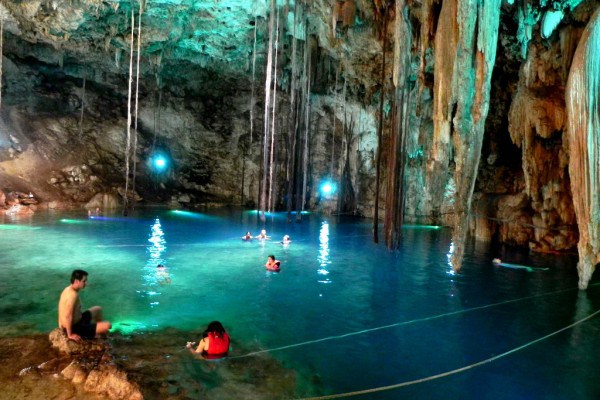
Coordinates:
[36,368]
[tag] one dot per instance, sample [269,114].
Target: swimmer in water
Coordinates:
[247,236]
[498,263]
[272,264]
[214,344]
[263,235]
[162,274]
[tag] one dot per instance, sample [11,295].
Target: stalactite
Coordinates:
[137,91]
[427,22]
[157,116]
[290,174]
[306,124]
[336,16]
[341,198]
[348,13]
[380,133]
[128,144]
[273,109]
[347,200]
[82,106]
[444,90]
[253,80]
[395,171]
[334,106]
[295,157]
[303,130]
[268,79]
[477,42]
[1,55]
[583,141]
[294,79]
[158,100]
[299,152]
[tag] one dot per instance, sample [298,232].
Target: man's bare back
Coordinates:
[69,308]
[70,318]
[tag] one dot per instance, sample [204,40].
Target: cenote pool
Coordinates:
[343,315]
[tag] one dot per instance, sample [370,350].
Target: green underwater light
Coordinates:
[274,213]
[189,214]
[17,228]
[433,227]
[127,327]
[74,221]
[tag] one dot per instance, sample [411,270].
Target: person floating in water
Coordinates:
[273,264]
[286,239]
[162,274]
[214,344]
[247,236]
[498,262]
[71,320]
[263,235]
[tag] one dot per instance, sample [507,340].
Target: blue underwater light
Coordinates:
[159,162]
[327,188]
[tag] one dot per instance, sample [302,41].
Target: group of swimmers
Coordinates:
[263,236]
[272,263]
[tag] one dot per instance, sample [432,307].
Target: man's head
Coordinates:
[78,275]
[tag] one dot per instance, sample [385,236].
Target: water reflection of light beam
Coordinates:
[159,244]
[323,257]
[156,249]
[449,257]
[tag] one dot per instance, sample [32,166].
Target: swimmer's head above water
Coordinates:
[496,261]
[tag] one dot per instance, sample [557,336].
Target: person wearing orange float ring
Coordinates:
[273,264]
[214,343]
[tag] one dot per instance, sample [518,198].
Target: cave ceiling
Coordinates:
[183,40]
[179,38]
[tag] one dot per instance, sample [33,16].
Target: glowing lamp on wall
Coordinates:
[327,188]
[159,163]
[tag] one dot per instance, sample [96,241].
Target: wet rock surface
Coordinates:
[150,365]
[31,370]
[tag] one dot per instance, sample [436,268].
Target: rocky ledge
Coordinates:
[60,368]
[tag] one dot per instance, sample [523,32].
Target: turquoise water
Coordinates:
[346,314]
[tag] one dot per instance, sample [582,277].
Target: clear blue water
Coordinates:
[334,284]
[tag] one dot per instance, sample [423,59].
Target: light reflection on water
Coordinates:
[215,275]
[323,257]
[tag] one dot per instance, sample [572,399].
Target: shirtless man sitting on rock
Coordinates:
[74,323]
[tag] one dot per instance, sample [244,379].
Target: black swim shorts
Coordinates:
[85,328]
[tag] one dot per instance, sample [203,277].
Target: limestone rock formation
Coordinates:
[583,146]
[92,365]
